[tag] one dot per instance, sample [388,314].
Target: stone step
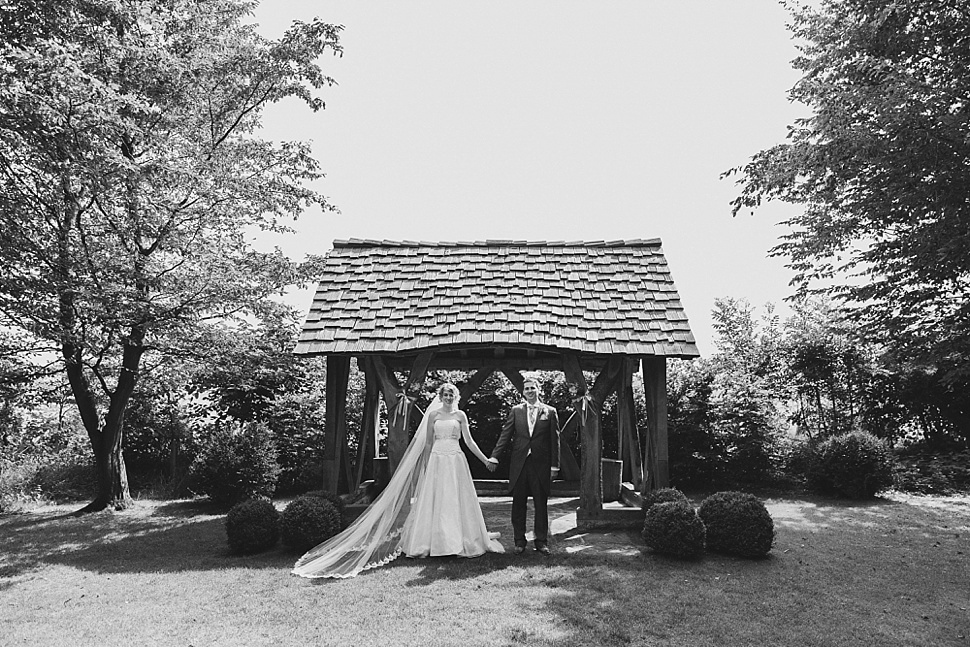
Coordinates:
[500,487]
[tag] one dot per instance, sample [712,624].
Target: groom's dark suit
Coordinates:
[530,469]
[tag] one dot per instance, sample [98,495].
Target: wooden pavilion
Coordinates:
[404,308]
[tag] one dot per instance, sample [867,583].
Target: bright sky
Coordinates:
[552,120]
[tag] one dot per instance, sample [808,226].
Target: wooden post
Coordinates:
[590,484]
[367,445]
[335,425]
[656,468]
[590,494]
[629,437]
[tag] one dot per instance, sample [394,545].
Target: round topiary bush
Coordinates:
[673,528]
[737,524]
[308,521]
[663,495]
[335,499]
[252,526]
[856,465]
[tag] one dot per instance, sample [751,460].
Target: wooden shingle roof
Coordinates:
[588,297]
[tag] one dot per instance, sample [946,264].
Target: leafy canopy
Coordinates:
[132,174]
[881,169]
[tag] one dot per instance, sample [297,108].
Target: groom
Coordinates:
[533,429]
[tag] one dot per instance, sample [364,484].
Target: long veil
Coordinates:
[374,538]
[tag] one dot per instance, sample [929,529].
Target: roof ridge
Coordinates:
[369,242]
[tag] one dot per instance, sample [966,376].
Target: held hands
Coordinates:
[491,464]
[554,473]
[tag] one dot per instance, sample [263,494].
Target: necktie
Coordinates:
[532,416]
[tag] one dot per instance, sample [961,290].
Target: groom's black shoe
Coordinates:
[518,550]
[544,550]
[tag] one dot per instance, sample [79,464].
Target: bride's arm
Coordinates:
[467,436]
[430,432]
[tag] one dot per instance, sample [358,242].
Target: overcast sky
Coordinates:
[552,120]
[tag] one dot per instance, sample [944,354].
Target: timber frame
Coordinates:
[406,308]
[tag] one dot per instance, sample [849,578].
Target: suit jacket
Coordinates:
[543,444]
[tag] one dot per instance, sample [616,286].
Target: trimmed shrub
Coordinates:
[335,499]
[737,524]
[235,467]
[252,526]
[663,495]
[856,465]
[308,521]
[673,528]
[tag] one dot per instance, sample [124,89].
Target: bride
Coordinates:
[429,507]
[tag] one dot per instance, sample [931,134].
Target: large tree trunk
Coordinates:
[106,436]
[112,477]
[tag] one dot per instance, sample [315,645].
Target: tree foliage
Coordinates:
[131,179]
[255,377]
[881,169]
[829,369]
[726,412]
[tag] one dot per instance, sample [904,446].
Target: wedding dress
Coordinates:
[446,518]
[429,504]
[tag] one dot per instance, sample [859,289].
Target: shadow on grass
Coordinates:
[172,537]
[839,560]
[886,571]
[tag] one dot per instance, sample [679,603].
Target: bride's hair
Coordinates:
[448,386]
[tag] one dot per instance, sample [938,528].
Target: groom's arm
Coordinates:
[503,439]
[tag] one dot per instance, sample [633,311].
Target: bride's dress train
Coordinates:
[446,518]
[429,507]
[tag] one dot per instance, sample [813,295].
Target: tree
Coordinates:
[131,181]
[882,170]
[747,388]
[257,378]
[829,368]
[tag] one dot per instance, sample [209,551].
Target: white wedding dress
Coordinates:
[429,507]
[446,518]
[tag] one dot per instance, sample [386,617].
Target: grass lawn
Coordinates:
[895,571]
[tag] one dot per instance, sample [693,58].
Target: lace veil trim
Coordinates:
[374,538]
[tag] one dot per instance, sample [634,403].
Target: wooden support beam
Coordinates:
[400,409]
[475,382]
[574,373]
[387,381]
[419,370]
[656,471]
[515,378]
[335,425]
[607,379]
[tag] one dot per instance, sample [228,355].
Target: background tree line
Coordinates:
[138,325]
[743,417]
